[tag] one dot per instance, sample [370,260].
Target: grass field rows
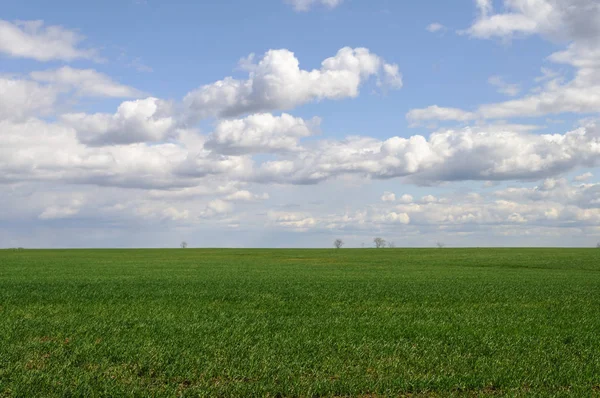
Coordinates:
[242,323]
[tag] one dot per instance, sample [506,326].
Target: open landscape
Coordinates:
[300,323]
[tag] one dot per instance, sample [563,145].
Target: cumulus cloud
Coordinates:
[217,207]
[305,5]
[388,197]
[35,150]
[85,82]
[48,151]
[147,120]
[295,220]
[31,39]
[276,82]
[447,155]
[260,133]
[40,95]
[406,198]
[20,99]
[246,196]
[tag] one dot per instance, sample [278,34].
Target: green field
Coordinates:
[355,322]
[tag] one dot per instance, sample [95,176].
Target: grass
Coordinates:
[243,323]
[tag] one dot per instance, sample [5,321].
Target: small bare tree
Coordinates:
[338,243]
[379,242]
[183,245]
[391,245]
[440,245]
[598,245]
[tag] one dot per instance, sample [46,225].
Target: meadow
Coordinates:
[300,323]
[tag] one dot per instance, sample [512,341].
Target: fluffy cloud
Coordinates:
[260,133]
[305,5]
[85,82]
[388,197]
[278,83]
[35,150]
[31,39]
[147,120]
[448,155]
[217,207]
[294,220]
[20,99]
[245,196]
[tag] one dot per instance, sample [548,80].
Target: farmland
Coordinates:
[350,322]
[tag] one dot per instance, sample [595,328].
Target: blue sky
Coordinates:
[138,123]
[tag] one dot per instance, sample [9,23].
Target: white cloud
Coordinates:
[428,199]
[388,197]
[399,218]
[20,99]
[294,220]
[448,155]
[35,150]
[39,151]
[485,7]
[305,5]
[406,198]
[435,112]
[217,207]
[556,19]
[514,211]
[245,196]
[278,83]
[147,120]
[260,133]
[85,82]
[31,39]
[435,27]
[504,87]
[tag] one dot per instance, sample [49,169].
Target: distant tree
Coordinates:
[440,245]
[391,245]
[183,245]
[598,245]
[338,243]
[379,242]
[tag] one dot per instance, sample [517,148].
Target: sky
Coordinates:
[292,123]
